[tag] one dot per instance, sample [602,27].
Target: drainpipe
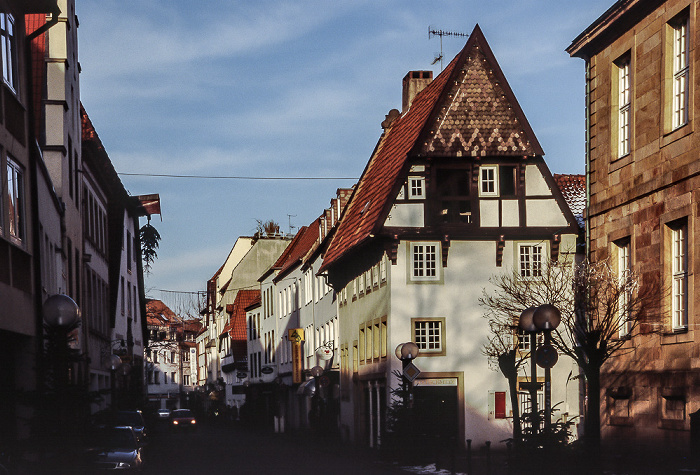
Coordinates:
[588,158]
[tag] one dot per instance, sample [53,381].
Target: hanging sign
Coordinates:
[296,336]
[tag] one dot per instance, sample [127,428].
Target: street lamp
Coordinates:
[533,320]
[61,315]
[407,352]
[113,363]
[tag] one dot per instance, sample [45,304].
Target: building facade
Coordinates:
[456,192]
[641,62]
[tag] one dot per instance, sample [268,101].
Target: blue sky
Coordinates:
[292,89]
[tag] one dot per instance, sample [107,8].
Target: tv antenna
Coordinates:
[433,32]
[291,228]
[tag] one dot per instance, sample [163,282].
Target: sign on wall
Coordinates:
[296,336]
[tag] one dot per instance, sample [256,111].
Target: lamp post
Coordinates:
[407,352]
[533,320]
[113,364]
[61,315]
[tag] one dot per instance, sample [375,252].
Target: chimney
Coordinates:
[413,83]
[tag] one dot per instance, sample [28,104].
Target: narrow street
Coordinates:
[226,449]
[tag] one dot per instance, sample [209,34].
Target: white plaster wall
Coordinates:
[511,213]
[470,265]
[535,184]
[488,210]
[409,215]
[544,213]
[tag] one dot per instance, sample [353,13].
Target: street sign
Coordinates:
[241,375]
[266,370]
[546,356]
[411,372]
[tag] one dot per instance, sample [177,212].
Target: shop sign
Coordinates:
[436,382]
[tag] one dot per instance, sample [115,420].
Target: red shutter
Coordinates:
[500,404]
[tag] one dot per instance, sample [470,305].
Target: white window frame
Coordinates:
[623,271]
[416,188]
[424,261]
[488,180]
[9,50]
[429,335]
[530,260]
[679,275]
[624,113]
[16,202]
[681,73]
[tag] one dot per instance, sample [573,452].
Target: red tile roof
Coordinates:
[237,326]
[573,189]
[469,110]
[307,237]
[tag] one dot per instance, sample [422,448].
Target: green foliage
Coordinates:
[150,239]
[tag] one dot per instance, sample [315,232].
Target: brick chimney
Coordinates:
[413,83]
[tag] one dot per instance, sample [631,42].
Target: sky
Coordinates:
[296,90]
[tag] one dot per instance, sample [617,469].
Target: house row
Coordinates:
[456,191]
[67,225]
[170,356]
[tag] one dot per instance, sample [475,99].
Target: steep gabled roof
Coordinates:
[469,110]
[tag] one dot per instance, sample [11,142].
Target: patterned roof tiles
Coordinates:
[573,189]
[468,110]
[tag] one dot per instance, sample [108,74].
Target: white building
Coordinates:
[456,192]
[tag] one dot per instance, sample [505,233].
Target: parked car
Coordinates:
[163,413]
[115,448]
[133,419]
[183,419]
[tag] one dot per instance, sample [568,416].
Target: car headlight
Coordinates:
[123,465]
[175,422]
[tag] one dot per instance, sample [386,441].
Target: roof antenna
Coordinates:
[291,228]
[441,33]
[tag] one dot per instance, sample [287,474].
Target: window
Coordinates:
[506,183]
[9,50]
[624,106]
[680,72]
[679,271]
[416,188]
[673,407]
[623,272]
[186,379]
[428,335]
[530,260]
[452,195]
[424,258]
[487,181]
[15,195]
[525,340]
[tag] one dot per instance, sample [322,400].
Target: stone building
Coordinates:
[643,180]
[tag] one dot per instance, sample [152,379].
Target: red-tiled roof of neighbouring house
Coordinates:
[256,301]
[157,310]
[573,189]
[308,236]
[469,110]
[237,326]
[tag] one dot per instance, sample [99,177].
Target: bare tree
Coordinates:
[266,229]
[600,308]
[502,349]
